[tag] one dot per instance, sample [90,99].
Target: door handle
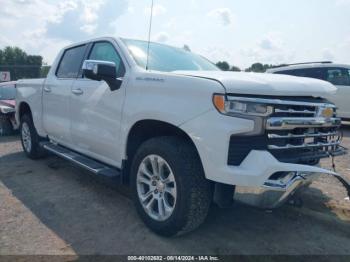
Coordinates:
[47,89]
[77,91]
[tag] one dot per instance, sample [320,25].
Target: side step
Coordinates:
[93,166]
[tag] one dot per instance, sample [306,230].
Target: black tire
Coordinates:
[6,128]
[194,194]
[35,151]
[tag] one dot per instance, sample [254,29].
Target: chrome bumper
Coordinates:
[276,192]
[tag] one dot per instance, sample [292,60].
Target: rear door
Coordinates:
[56,95]
[340,77]
[96,111]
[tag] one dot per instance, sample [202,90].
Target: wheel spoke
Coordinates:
[161,207]
[149,204]
[171,191]
[145,171]
[161,167]
[144,180]
[167,207]
[146,195]
[169,179]
[154,163]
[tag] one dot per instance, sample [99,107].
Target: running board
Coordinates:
[87,163]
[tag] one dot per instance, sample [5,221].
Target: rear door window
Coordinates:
[339,76]
[71,62]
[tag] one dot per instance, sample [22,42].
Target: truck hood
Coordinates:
[265,84]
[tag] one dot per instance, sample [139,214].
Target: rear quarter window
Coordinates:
[339,76]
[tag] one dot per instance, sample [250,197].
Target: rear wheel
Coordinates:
[170,191]
[30,138]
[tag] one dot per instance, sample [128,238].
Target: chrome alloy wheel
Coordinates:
[156,187]
[26,137]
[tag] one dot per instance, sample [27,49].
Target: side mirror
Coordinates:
[102,70]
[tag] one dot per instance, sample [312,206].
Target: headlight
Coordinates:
[236,106]
[6,109]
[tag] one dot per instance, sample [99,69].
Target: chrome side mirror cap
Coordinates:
[102,71]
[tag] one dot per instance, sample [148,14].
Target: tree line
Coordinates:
[21,65]
[256,67]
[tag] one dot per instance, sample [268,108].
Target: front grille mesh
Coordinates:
[303,143]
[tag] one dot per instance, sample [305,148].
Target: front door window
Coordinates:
[105,51]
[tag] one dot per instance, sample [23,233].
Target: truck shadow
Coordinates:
[6,139]
[93,218]
[346,128]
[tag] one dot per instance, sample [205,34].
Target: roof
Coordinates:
[306,65]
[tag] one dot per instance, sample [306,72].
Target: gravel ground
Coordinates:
[51,207]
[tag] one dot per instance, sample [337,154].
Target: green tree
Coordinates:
[19,64]
[44,71]
[256,67]
[235,69]
[224,66]
[260,68]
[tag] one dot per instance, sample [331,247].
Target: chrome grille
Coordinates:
[302,126]
[291,111]
[297,131]
[294,111]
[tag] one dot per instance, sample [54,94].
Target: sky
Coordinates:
[238,31]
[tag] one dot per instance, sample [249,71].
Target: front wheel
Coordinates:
[170,191]
[30,138]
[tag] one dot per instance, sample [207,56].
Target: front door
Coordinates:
[56,95]
[96,111]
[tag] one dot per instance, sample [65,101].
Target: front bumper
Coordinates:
[252,175]
[277,181]
[273,194]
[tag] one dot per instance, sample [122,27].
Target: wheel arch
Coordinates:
[144,130]
[23,109]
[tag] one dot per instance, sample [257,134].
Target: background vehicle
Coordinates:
[179,131]
[7,108]
[337,74]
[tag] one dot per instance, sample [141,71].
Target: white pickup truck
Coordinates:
[178,130]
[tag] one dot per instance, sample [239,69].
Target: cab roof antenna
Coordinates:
[149,35]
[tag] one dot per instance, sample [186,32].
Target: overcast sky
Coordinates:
[239,31]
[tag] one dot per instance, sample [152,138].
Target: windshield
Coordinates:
[7,92]
[166,58]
